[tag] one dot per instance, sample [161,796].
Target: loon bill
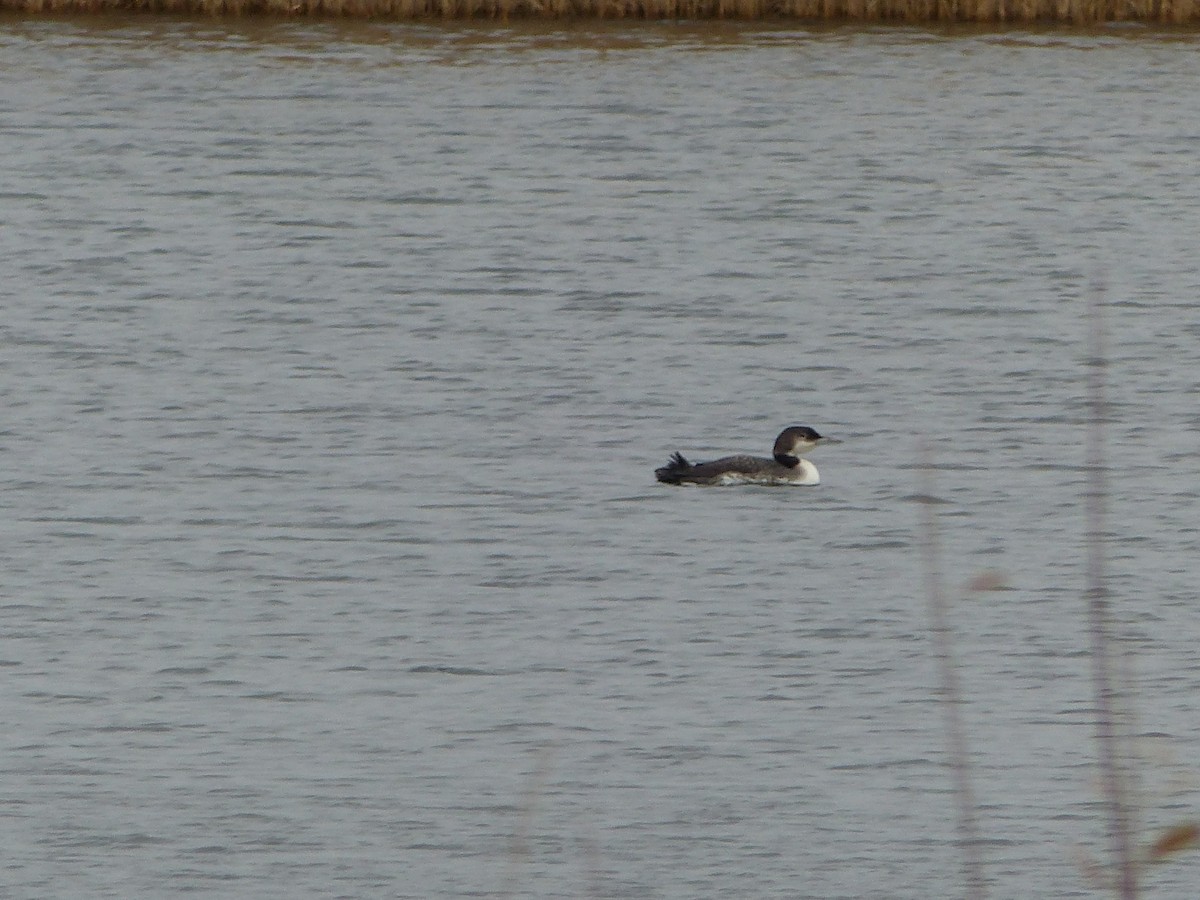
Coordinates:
[786,466]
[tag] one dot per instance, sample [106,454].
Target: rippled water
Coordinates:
[335,362]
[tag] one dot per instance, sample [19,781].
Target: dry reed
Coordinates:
[949,689]
[1110,737]
[1073,12]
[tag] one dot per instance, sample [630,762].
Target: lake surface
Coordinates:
[335,362]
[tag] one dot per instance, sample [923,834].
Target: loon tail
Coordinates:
[674,471]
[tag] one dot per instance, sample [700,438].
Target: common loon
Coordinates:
[786,468]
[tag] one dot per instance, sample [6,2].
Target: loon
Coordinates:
[786,468]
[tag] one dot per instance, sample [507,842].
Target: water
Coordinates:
[335,363]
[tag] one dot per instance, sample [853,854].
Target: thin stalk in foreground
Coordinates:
[956,735]
[1112,774]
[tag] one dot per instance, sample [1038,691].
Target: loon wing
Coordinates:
[680,471]
[727,465]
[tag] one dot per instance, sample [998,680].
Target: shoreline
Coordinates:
[1046,13]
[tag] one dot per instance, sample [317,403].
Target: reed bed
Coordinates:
[1066,12]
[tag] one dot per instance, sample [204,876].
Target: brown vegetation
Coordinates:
[1075,12]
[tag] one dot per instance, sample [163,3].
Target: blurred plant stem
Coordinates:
[1109,740]
[951,691]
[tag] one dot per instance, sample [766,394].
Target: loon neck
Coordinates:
[786,459]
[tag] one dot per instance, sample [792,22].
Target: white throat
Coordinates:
[806,473]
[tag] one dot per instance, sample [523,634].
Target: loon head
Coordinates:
[792,442]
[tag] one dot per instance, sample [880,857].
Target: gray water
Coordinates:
[335,361]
